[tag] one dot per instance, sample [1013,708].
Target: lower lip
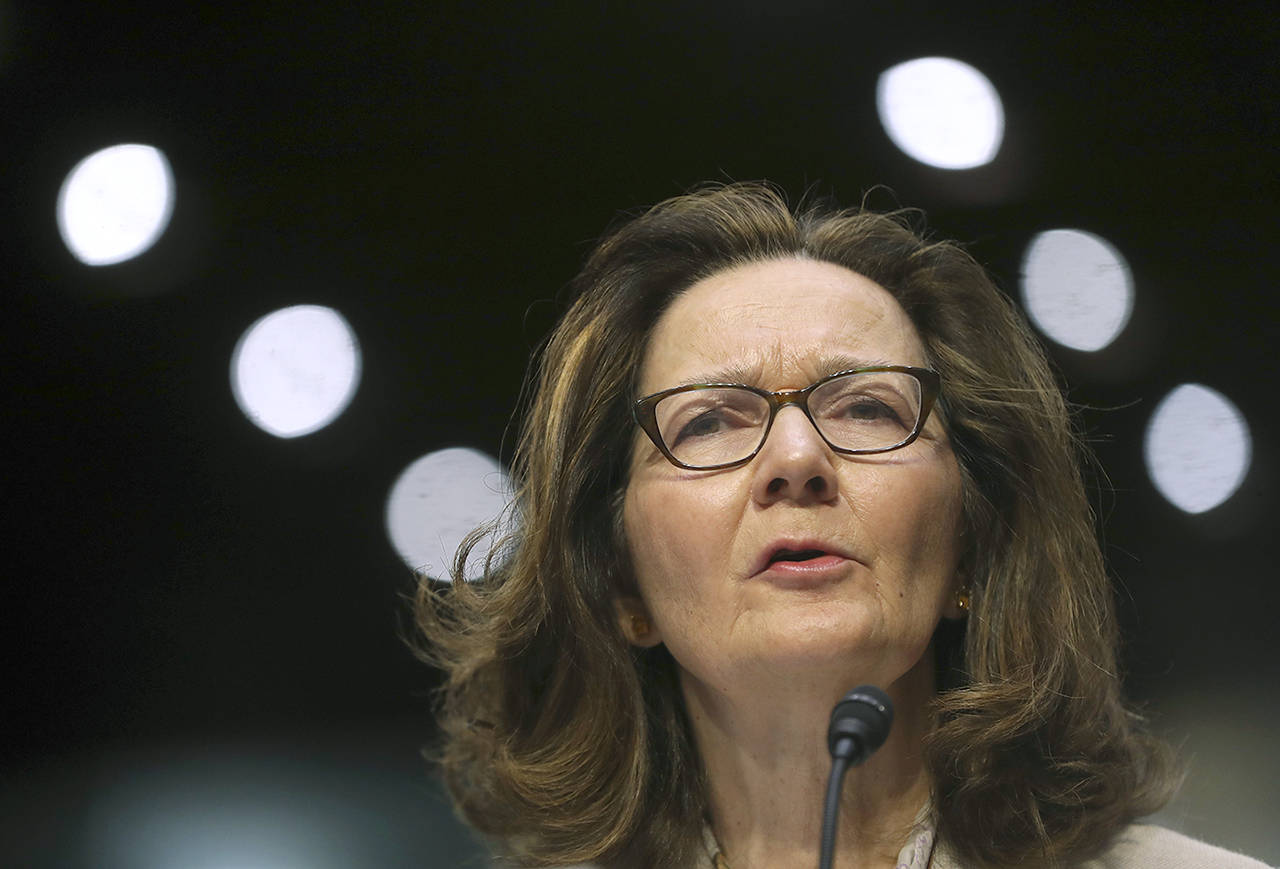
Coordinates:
[804,574]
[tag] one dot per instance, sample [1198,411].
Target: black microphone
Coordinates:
[859,725]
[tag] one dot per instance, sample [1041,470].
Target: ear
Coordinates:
[636,623]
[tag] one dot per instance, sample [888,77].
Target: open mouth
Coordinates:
[795,555]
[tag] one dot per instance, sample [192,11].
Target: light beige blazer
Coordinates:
[1139,846]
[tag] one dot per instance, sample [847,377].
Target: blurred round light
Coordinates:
[1077,288]
[1197,448]
[941,112]
[262,804]
[115,203]
[295,370]
[440,499]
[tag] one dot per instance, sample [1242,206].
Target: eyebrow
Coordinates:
[751,374]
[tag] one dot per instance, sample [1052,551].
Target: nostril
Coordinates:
[816,485]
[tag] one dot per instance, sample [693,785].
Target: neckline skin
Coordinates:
[918,850]
[766,793]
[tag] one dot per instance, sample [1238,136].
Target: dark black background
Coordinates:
[179,583]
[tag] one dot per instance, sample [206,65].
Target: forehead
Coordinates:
[779,324]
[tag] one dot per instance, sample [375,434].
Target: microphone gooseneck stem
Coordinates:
[859,725]
[831,808]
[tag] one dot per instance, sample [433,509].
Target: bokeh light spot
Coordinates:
[115,204]
[440,499]
[1197,448]
[295,370]
[346,799]
[1077,288]
[942,112]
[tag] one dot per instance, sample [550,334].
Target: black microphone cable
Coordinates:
[859,725]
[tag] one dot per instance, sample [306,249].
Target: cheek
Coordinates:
[677,537]
[914,514]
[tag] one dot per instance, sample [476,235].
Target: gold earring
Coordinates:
[962,598]
[639,626]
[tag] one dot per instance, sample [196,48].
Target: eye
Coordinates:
[701,415]
[865,402]
[870,409]
[704,424]
[710,423]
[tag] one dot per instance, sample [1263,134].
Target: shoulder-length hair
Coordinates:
[565,744]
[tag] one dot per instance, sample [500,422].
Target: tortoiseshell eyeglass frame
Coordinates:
[644,410]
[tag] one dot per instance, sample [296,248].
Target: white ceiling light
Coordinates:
[115,203]
[1197,448]
[440,499]
[295,370]
[1077,288]
[941,112]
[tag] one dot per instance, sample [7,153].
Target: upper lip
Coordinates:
[797,544]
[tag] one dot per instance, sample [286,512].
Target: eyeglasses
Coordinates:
[707,426]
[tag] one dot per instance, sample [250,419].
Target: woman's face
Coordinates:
[889,524]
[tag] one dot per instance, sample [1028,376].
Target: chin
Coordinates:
[839,646]
[817,639]
[833,619]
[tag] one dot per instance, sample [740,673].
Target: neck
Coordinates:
[767,762]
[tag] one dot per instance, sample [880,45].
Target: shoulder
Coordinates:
[1145,846]
[1141,846]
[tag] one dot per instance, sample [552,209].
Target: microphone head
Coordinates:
[860,723]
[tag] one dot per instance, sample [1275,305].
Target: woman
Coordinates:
[771,457]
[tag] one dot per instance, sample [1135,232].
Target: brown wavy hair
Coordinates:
[564,744]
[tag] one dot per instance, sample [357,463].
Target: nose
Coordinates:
[795,463]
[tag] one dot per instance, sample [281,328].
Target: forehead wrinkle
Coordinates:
[750,368]
[796,333]
[780,361]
